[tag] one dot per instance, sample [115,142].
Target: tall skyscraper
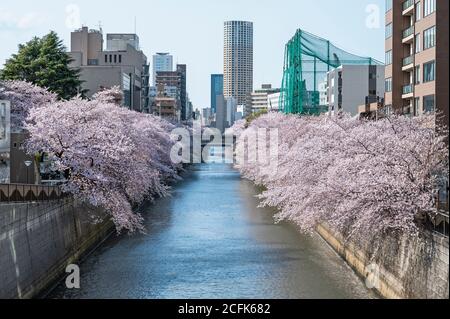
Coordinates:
[162,62]
[238,60]
[216,90]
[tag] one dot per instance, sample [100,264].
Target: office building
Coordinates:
[417,55]
[162,62]
[216,89]
[231,103]
[238,60]
[186,114]
[257,101]
[121,64]
[221,114]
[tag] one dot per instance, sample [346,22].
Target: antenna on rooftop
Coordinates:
[100,27]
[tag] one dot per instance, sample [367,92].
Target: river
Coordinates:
[209,240]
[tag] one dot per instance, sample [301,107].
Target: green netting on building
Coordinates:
[307,60]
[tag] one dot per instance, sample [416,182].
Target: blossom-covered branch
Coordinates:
[363,178]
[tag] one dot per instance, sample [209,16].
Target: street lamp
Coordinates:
[28,164]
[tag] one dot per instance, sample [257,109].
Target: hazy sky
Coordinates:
[192,30]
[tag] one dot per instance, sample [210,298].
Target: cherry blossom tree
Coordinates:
[111,157]
[363,178]
[24,96]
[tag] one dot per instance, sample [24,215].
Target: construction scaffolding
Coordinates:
[307,61]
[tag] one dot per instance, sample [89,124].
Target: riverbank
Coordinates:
[405,268]
[38,241]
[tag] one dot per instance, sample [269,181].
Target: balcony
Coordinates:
[408,7]
[408,63]
[408,91]
[408,35]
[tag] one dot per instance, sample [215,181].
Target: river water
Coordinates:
[209,240]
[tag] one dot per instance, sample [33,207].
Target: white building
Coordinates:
[350,85]
[323,92]
[258,99]
[162,62]
[273,102]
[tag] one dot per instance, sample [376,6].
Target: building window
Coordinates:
[120,58]
[106,58]
[388,5]
[430,7]
[429,38]
[110,58]
[416,106]
[388,85]
[429,71]
[388,57]
[389,31]
[428,104]
[418,11]
[417,43]
[417,74]
[388,110]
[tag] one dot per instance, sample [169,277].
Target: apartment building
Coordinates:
[417,57]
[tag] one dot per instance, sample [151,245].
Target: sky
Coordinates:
[192,30]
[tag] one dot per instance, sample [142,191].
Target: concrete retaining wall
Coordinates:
[39,240]
[400,268]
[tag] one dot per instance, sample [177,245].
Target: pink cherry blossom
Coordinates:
[363,178]
[111,157]
[23,96]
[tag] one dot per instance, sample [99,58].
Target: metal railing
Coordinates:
[407,89]
[438,223]
[408,60]
[408,32]
[408,4]
[27,193]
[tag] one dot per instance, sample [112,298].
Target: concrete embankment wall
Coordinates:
[414,268]
[39,240]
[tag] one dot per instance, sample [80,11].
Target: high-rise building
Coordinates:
[162,62]
[417,50]
[121,64]
[216,90]
[182,71]
[238,60]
